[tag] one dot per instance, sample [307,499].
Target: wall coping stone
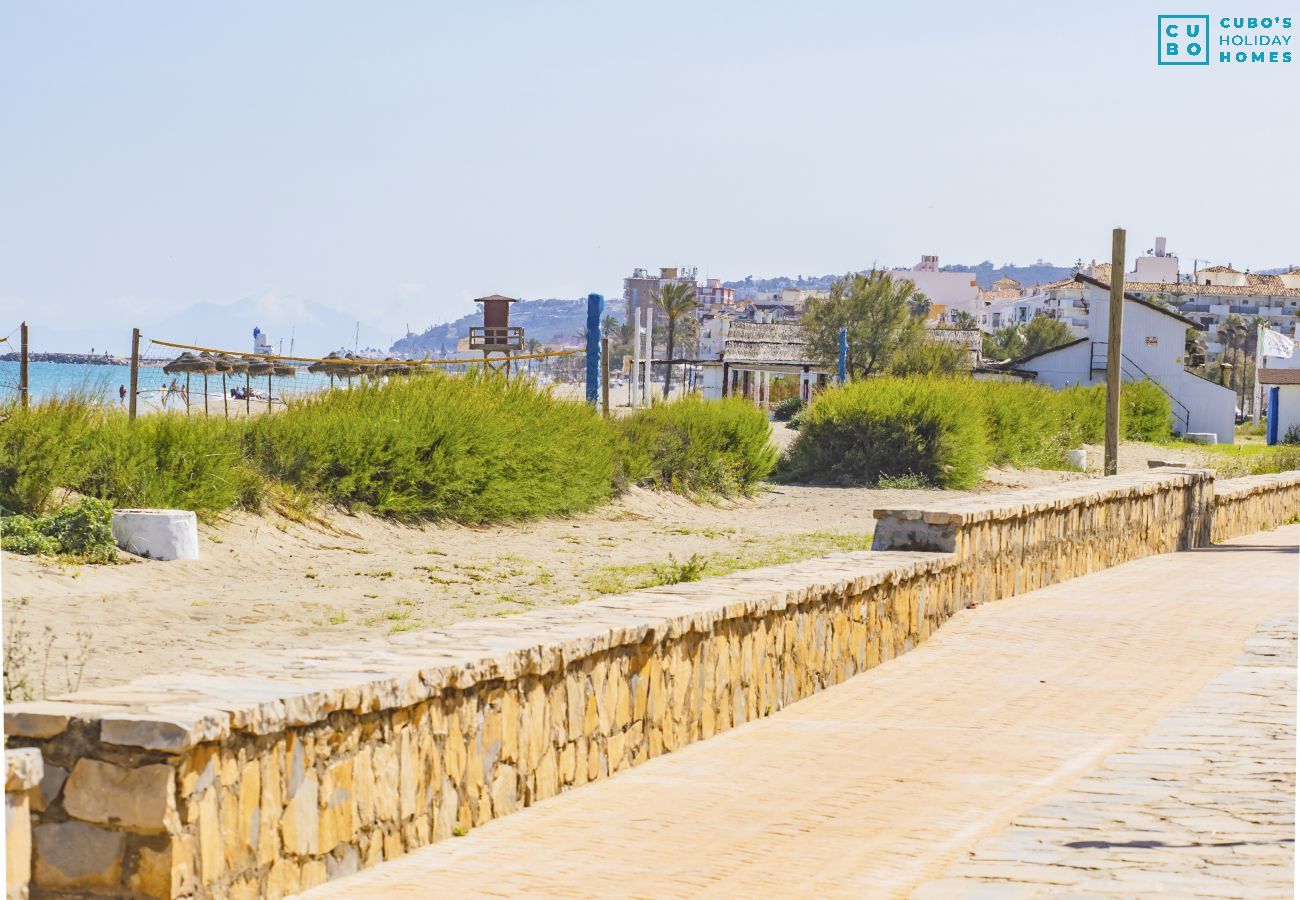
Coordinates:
[1020,502]
[173,712]
[1232,488]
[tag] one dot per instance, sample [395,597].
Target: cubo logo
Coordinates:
[1184,41]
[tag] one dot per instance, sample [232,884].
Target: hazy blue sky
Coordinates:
[394,160]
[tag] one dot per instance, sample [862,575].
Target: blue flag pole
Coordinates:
[595,314]
[844,355]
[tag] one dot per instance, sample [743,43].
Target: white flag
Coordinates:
[1277,344]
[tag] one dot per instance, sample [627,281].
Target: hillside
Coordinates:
[551,321]
[985,274]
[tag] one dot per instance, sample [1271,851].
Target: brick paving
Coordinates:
[1104,691]
[1202,806]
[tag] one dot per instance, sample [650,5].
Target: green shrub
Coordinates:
[787,408]
[170,462]
[1145,411]
[945,432]
[891,428]
[22,534]
[1292,435]
[39,451]
[84,530]
[697,446]
[473,449]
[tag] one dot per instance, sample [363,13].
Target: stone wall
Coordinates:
[1254,503]
[1023,540]
[267,781]
[23,770]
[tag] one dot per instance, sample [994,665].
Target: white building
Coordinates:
[1153,347]
[1064,300]
[261,342]
[1286,382]
[951,290]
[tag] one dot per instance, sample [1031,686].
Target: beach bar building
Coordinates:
[754,353]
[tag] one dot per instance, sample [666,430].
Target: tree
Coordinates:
[1193,348]
[1044,333]
[927,357]
[1005,343]
[876,310]
[534,346]
[1014,341]
[962,319]
[921,306]
[676,300]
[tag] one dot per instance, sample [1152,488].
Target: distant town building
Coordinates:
[712,296]
[954,291]
[640,288]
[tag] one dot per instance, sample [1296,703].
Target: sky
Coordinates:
[394,160]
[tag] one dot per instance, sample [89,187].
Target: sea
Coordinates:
[102,384]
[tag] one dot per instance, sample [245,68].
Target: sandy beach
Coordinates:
[265,582]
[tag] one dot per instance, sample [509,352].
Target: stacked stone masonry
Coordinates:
[316,764]
[1255,503]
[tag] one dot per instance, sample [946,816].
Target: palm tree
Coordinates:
[675,300]
[533,346]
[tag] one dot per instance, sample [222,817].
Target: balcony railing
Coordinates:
[508,337]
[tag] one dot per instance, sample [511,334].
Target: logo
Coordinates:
[1184,41]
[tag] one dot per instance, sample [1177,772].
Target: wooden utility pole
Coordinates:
[135,372]
[604,376]
[24,385]
[1114,350]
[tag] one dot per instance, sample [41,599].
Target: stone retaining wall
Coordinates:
[1254,503]
[267,781]
[1023,540]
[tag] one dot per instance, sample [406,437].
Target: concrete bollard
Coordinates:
[1078,459]
[157,533]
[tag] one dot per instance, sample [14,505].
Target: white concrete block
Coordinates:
[1078,459]
[1202,437]
[157,533]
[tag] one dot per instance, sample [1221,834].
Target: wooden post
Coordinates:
[135,372]
[248,394]
[1114,350]
[604,376]
[24,385]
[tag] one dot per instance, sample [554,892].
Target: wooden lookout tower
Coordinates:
[496,337]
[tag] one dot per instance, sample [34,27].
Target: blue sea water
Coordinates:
[102,383]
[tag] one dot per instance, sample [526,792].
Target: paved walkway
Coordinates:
[883,784]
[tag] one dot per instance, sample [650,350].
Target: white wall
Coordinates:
[1288,407]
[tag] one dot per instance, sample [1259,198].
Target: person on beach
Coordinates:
[121,394]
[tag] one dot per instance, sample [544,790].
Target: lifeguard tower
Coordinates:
[496,337]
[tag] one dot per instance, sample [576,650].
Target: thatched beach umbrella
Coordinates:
[187,362]
[394,367]
[262,367]
[225,366]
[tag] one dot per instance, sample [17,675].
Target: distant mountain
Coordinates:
[310,328]
[553,321]
[1039,273]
